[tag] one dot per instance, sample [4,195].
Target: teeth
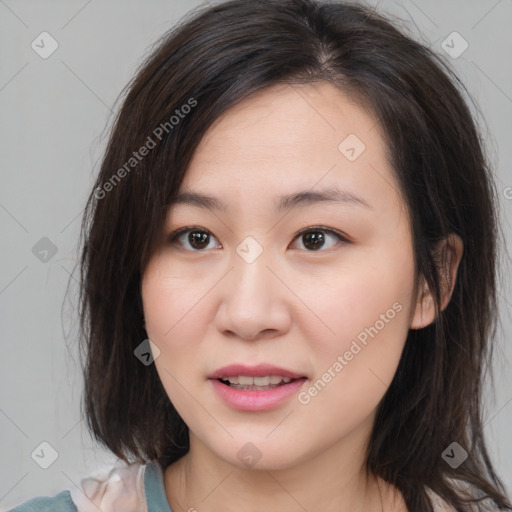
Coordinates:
[245,380]
[262,381]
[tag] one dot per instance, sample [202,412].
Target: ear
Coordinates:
[448,254]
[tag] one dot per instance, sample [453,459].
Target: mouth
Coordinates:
[248,383]
[262,375]
[256,388]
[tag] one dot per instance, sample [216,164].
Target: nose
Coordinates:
[254,301]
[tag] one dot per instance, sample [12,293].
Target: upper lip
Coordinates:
[261,370]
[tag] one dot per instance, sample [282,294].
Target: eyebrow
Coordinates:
[284,203]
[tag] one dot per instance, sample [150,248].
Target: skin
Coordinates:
[294,306]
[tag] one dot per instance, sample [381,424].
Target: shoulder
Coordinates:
[61,502]
[118,487]
[440,505]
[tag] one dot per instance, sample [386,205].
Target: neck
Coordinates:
[330,481]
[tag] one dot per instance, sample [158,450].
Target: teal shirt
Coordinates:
[138,488]
[156,499]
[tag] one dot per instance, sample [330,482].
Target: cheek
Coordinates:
[168,299]
[345,301]
[360,326]
[354,367]
[171,305]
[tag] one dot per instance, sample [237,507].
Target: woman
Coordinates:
[289,274]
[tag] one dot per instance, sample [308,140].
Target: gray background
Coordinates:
[54,113]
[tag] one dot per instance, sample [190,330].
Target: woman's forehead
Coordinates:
[286,118]
[282,141]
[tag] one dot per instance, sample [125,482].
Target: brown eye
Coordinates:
[197,238]
[314,239]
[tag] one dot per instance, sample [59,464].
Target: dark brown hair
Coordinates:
[213,59]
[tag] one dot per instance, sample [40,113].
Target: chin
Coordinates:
[262,455]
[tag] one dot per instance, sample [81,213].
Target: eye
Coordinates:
[313,238]
[197,237]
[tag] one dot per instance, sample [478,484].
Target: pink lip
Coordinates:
[260,370]
[249,400]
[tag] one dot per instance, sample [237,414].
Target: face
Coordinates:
[319,290]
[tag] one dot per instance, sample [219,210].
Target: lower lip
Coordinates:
[252,400]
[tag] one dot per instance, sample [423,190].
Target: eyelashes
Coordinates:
[313,243]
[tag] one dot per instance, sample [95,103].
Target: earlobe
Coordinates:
[448,255]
